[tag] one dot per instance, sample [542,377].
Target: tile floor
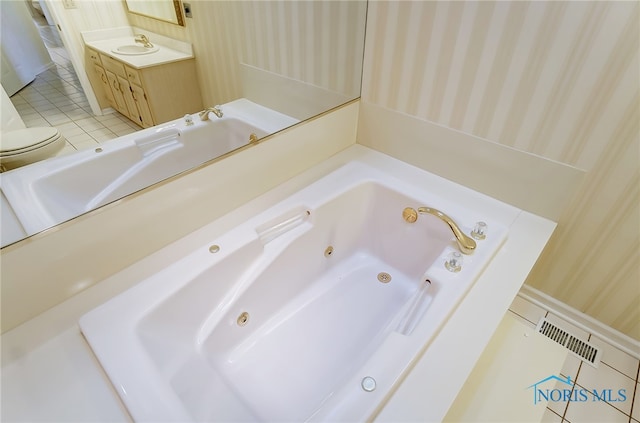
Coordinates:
[617,370]
[55,98]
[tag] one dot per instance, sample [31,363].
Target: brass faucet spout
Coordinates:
[142,39]
[216,110]
[466,244]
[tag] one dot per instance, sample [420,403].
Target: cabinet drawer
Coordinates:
[113,65]
[133,75]
[94,56]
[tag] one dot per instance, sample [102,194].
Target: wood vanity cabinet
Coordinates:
[148,96]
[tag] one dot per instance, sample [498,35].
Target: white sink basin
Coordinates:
[134,49]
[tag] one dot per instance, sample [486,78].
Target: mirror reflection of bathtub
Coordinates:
[269,62]
[50,192]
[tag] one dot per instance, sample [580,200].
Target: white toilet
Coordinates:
[28,145]
[20,145]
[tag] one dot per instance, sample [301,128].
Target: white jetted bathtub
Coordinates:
[309,311]
[52,191]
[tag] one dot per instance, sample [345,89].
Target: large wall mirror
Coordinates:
[167,10]
[298,58]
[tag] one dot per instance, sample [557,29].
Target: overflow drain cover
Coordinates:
[384,277]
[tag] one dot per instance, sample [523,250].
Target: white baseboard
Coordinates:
[581,320]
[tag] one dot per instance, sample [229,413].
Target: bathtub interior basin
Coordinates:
[311,310]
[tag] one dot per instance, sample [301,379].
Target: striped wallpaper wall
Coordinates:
[557,79]
[305,41]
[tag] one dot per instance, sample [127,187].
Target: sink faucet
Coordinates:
[216,110]
[466,244]
[142,39]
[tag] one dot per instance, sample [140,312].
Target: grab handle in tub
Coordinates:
[158,140]
[274,228]
[417,308]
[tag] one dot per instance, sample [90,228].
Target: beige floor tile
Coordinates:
[89,124]
[102,135]
[79,139]
[17,99]
[551,417]
[615,358]
[109,120]
[29,113]
[125,131]
[37,104]
[605,378]
[594,412]
[571,366]
[635,413]
[560,405]
[58,119]
[527,310]
[44,107]
[72,132]
[36,121]
[67,126]
[84,145]
[78,114]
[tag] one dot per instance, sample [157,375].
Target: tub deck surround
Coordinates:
[55,190]
[282,317]
[36,354]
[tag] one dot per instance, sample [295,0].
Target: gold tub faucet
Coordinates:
[216,110]
[466,244]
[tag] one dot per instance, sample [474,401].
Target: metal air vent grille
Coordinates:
[583,350]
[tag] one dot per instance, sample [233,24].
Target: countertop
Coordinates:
[104,41]
[50,373]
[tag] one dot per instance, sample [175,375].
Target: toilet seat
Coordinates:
[26,146]
[25,140]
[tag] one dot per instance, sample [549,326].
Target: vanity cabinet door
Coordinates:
[127,93]
[94,56]
[106,88]
[118,96]
[171,89]
[143,106]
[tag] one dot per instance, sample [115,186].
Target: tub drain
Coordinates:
[384,277]
[243,319]
[368,384]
